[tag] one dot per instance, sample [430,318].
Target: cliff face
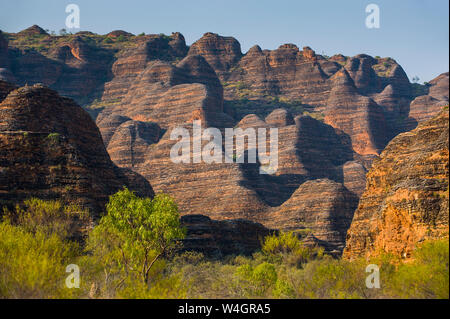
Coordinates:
[98,71]
[425,107]
[50,148]
[132,60]
[219,238]
[334,116]
[320,207]
[406,199]
[5,72]
[356,115]
[137,134]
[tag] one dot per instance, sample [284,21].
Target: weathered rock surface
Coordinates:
[5,88]
[321,207]
[219,238]
[3,51]
[222,53]
[33,30]
[356,115]
[173,96]
[425,107]
[50,148]
[88,66]
[406,199]
[354,176]
[132,61]
[334,116]
[439,87]
[5,72]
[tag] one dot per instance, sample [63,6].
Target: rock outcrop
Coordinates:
[51,149]
[133,60]
[334,116]
[5,88]
[406,200]
[220,238]
[3,51]
[164,96]
[5,72]
[320,207]
[425,107]
[356,115]
[222,53]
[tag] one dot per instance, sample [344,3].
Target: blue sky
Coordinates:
[414,32]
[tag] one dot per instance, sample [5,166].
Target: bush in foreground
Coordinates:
[131,253]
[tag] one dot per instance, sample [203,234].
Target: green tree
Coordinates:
[135,233]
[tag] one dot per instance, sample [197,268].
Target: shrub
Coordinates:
[49,218]
[330,278]
[286,247]
[427,276]
[53,138]
[33,265]
[256,281]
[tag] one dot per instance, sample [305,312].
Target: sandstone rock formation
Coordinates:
[33,30]
[356,115]
[5,72]
[132,61]
[425,107]
[406,199]
[219,238]
[320,207]
[376,92]
[334,116]
[221,53]
[5,88]
[51,149]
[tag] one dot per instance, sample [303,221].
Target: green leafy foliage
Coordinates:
[259,279]
[32,265]
[49,218]
[135,233]
[287,247]
[132,253]
[427,276]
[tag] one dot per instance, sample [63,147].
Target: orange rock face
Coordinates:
[406,199]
